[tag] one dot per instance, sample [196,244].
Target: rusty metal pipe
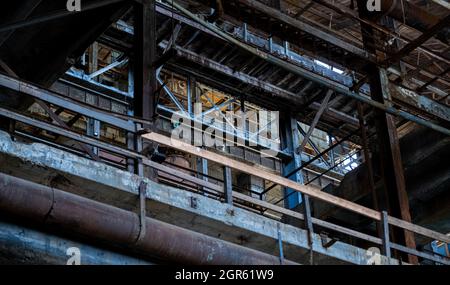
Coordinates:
[90,219]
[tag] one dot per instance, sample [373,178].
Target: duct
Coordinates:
[93,220]
[21,245]
[414,16]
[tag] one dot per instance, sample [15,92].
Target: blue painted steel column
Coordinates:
[290,141]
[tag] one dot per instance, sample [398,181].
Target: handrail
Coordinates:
[311,192]
[219,190]
[246,168]
[243,167]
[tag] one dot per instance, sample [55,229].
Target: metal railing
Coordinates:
[230,196]
[221,189]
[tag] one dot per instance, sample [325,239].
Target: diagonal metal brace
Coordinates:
[60,122]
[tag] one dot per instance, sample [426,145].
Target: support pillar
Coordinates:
[391,166]
[290,142]
[144,72]
[145,82]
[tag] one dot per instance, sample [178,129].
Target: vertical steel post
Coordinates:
[228,185]
[391,166]
[280,244]
[145,50]
[245,32]
[290,142]
[368,160]
[190,91]
[385,238]
[309,227]
[93,130]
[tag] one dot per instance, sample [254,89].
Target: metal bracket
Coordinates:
[326,241]
[194,203]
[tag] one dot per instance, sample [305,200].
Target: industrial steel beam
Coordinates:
[255,82]
[422,103]
[244,77]
[107,68]
[426,35]
[166,10]
[61,101]
[391,165]
[414,16]
[145,81]
[61,210]
[302,26]
[245,168]
[344,90]
[434,108]
[399,93]
[66,133]
[343,10]
[54,16]
[312,192]
[313,125]
[60,122]
[52,115]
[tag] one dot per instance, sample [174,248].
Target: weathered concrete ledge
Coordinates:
[53,167]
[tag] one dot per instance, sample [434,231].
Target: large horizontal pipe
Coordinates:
[83,217]
[24,246]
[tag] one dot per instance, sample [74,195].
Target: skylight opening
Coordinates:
[327,66]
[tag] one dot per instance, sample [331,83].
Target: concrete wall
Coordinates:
[50,166]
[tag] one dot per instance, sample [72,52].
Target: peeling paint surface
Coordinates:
[211,212]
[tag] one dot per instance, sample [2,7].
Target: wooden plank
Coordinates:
[315,221]
[312,192]
[219,189]
[260,203]
[414,252]
[418,229]
[275,208]
[245,168]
